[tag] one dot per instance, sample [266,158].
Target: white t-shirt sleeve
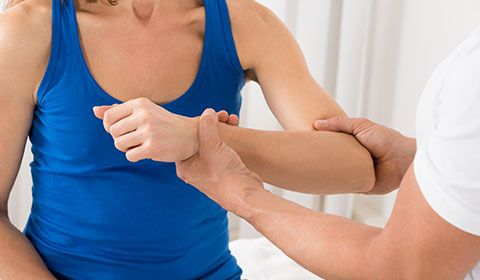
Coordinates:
[447,164]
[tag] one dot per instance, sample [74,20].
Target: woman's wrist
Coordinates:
[191,127]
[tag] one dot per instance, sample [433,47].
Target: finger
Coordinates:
[117,113]
[222,116]
[124,126]
[128,141]
[209,137]
[99,111]
[233,120]
[336,124]
[137,154]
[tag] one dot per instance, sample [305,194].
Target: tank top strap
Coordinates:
[63,32]
[219,31]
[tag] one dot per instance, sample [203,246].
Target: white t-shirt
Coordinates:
[447,164]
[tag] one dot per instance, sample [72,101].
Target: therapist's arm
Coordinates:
[300,159]
[415,244]
[24,49]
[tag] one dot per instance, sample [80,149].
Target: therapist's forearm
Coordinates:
[304,161]
[329,246]
[18,258]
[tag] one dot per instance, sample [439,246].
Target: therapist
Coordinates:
[434,230]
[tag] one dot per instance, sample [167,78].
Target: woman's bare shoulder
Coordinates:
[255,28]
[25,28]
[25,40]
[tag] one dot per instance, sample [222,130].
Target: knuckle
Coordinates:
[145,115]
[106,117]
[114,131]
[148,128]
[148,144]
[119,144]
[142,102]
[142,132]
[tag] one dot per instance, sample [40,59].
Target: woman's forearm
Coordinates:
[18,258]
[304,161]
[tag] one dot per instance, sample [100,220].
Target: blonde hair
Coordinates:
[11,3]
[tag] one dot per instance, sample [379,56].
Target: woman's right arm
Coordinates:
[24,49]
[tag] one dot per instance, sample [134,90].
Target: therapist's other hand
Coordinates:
[392,152]
[144,130]
[217,170]
[231,119]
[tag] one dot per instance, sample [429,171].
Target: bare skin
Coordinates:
[415,244]
[291,92]
[123,65]
[20,31]
[391,151]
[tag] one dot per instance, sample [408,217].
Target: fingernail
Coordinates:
[209,111]
[320,122]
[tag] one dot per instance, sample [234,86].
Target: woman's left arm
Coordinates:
[297,159]
[300,159]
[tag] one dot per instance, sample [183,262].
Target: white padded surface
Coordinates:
[261,260]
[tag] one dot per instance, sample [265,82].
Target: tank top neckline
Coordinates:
[110,99]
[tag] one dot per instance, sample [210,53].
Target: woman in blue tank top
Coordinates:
[97,215]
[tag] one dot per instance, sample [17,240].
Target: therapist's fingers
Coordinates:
[233,120]
[222,116]
[337,124]
[128,141]
[226,118]
[209,138]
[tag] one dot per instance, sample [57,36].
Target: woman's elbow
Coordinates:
[363,171]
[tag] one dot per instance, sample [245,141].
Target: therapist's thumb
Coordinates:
[336,124]
[209,138]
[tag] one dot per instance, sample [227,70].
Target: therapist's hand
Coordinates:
[392,152]
[144,130]
[217,170]
[226,118]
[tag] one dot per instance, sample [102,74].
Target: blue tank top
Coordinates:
[94,214]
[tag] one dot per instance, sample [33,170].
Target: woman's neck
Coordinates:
[142,10]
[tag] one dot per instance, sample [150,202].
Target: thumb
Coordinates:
[336,124]
[99,111]
[209,137]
